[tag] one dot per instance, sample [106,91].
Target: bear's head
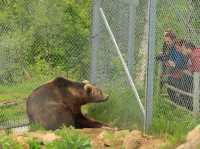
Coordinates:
[79,92]
[93,94]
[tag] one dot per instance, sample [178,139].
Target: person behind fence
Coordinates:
[176,64]
[163,56]
[192,54]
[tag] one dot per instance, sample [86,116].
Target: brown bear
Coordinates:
[59,102]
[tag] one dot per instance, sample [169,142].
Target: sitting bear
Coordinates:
[59,102]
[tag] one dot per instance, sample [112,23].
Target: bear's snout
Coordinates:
[106,97]
[103,98]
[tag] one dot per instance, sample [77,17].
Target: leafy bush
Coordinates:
[44,35]
[71,139]
[34,144]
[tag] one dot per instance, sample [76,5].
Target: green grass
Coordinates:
[7,142]
[171,122]
[13,115]
[20,90]
[36,127]
[34,144]
[121,110]
[71,139]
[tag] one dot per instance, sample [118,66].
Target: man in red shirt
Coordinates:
[192,54]
[195,60]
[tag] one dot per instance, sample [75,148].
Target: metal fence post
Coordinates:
[196,92]
[95,37]
[150,65]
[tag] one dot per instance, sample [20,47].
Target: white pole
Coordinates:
[123,62]
[196,92]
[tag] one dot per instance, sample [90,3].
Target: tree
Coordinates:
[56,31]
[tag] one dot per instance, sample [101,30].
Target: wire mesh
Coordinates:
[43,39]
[122,109]
[177,42]
[38,41]
[12,115]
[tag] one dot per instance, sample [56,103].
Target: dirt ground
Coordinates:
[102,138]
[118,139]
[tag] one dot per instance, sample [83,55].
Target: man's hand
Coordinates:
[170,63]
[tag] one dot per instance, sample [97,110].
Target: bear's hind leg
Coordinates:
[83,122]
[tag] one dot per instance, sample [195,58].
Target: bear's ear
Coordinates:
[86,82]
[88,88]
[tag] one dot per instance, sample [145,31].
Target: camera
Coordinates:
[162,57]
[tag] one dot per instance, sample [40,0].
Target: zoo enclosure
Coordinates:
[39,46]
[39,40]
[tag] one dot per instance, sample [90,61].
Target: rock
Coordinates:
[44,137]
[2,131]
[20,139]
[133,140]
[192,139]
[106,137]
[137,140]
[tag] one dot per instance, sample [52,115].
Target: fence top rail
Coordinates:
[178,90]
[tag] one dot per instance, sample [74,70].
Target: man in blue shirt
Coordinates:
[176,58]
[176,63]
[169,41]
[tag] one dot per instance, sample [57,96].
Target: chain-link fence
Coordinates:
[123,22]
[43,39]
[178,62]
[38,41]
[176,83]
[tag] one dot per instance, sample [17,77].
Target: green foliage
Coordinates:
[118,111]
[36,127]
[70,139]
[195,13]
[34,144]
[7,143]
[55,33]
[10,115]
[171,120]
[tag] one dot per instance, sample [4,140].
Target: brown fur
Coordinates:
[59,102]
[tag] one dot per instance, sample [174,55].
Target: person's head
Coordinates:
[167,31]
[188,48]
[179,44]
[169,39]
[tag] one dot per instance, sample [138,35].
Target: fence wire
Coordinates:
[40,40]
[178,60]
[127,22]
[43,39]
